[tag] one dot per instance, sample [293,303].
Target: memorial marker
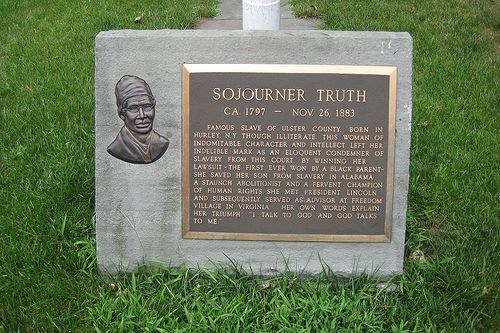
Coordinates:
[281,150]
[288,152]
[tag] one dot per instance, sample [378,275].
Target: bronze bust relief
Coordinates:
[136,142]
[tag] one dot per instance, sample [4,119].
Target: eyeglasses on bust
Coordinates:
[135,108]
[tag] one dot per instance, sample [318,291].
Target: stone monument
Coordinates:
[286,149]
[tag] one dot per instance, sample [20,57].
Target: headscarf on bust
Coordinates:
[129,86]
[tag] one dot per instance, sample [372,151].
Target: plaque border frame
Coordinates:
[390,71]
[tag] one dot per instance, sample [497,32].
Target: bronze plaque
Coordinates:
[288,152]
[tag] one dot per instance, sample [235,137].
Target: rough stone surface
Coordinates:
[138,207]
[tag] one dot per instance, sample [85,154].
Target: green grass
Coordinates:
[48,275]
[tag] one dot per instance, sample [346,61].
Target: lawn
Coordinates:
[48,275]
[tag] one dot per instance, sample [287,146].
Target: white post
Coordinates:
[261,14]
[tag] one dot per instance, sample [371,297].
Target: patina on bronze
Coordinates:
[288,152]
[136,142]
